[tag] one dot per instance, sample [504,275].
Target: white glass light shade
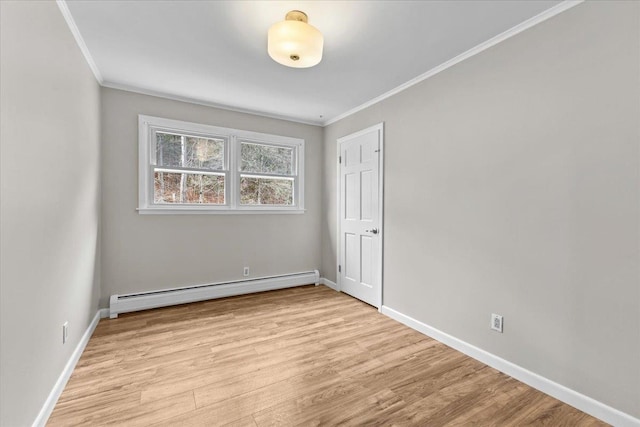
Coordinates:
[295,43]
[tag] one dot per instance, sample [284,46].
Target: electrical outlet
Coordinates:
[65,332]
[245,271]
[496,322]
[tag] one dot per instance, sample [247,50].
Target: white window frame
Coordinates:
[149,125]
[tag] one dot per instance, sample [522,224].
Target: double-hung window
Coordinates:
[192,168]
[189,169]
[266,174]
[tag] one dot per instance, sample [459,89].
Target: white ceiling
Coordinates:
[215,52]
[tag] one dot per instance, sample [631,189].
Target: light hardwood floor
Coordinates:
[301,356]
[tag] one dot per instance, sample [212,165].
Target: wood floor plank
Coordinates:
[243,422]
[300,356]
[311,409]
[129,411]
[247,404]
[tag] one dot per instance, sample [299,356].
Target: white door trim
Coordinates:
[380,128]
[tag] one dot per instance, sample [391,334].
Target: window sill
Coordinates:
[222,211]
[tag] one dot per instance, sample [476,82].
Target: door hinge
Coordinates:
[339,159]
[339,269]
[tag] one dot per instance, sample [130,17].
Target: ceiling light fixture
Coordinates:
[295,43]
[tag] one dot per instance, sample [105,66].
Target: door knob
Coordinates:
[373,230]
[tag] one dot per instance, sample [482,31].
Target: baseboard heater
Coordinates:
[166,297]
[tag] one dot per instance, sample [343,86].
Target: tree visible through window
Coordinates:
[187,167]
[190,170]
[266,174]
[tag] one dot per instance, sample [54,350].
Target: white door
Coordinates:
[360,215]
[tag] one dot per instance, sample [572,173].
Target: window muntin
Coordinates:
[192,168]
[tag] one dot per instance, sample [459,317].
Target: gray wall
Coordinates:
[49,151]
[149,252]
[511,186]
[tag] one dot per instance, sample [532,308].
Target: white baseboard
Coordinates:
[58,388]
[577,400]
[328,283]
[167,297]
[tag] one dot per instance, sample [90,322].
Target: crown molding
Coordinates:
[66,13]
[541,17]
[150,92]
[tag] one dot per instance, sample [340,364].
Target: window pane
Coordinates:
[266,191]
[171,187]
[189,151]
[260,158]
